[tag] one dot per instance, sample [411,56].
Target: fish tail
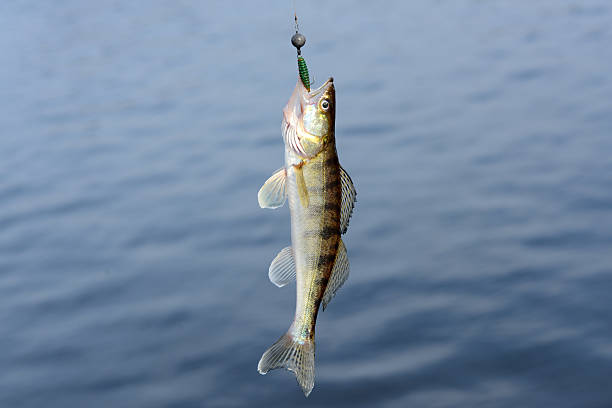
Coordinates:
[294,355]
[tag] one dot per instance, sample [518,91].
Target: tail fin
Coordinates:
[293,355]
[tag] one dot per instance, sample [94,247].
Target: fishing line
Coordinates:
[295,17]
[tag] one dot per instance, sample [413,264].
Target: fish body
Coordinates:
[315,233]
[321,198]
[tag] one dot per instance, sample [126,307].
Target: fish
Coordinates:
[321,199]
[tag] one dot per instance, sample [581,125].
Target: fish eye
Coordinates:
[325,105]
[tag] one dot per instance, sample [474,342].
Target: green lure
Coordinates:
[303,72]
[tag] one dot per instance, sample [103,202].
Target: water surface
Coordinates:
[133,254]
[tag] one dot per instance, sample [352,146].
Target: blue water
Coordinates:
[134,256]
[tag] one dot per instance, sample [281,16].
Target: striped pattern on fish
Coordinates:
[321,199]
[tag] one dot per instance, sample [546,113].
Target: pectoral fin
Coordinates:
[349,196]
[339,274]
[273,193]
[301,186]
[282,268]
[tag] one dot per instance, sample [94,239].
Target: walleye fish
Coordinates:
[321,200]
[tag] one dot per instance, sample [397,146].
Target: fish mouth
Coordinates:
[301,97]
[320,90]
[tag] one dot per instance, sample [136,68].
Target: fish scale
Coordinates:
[321,199]
[308,236]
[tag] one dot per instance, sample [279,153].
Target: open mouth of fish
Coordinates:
[320,90]
[301,97]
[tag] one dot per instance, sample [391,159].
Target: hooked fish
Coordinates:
[321,200]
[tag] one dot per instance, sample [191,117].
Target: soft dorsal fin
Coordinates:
[349,195]
[273,193]
[338,276]
[282,268]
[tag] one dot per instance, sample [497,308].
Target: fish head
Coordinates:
[309,118]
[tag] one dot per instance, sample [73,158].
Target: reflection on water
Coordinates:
[133,267]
